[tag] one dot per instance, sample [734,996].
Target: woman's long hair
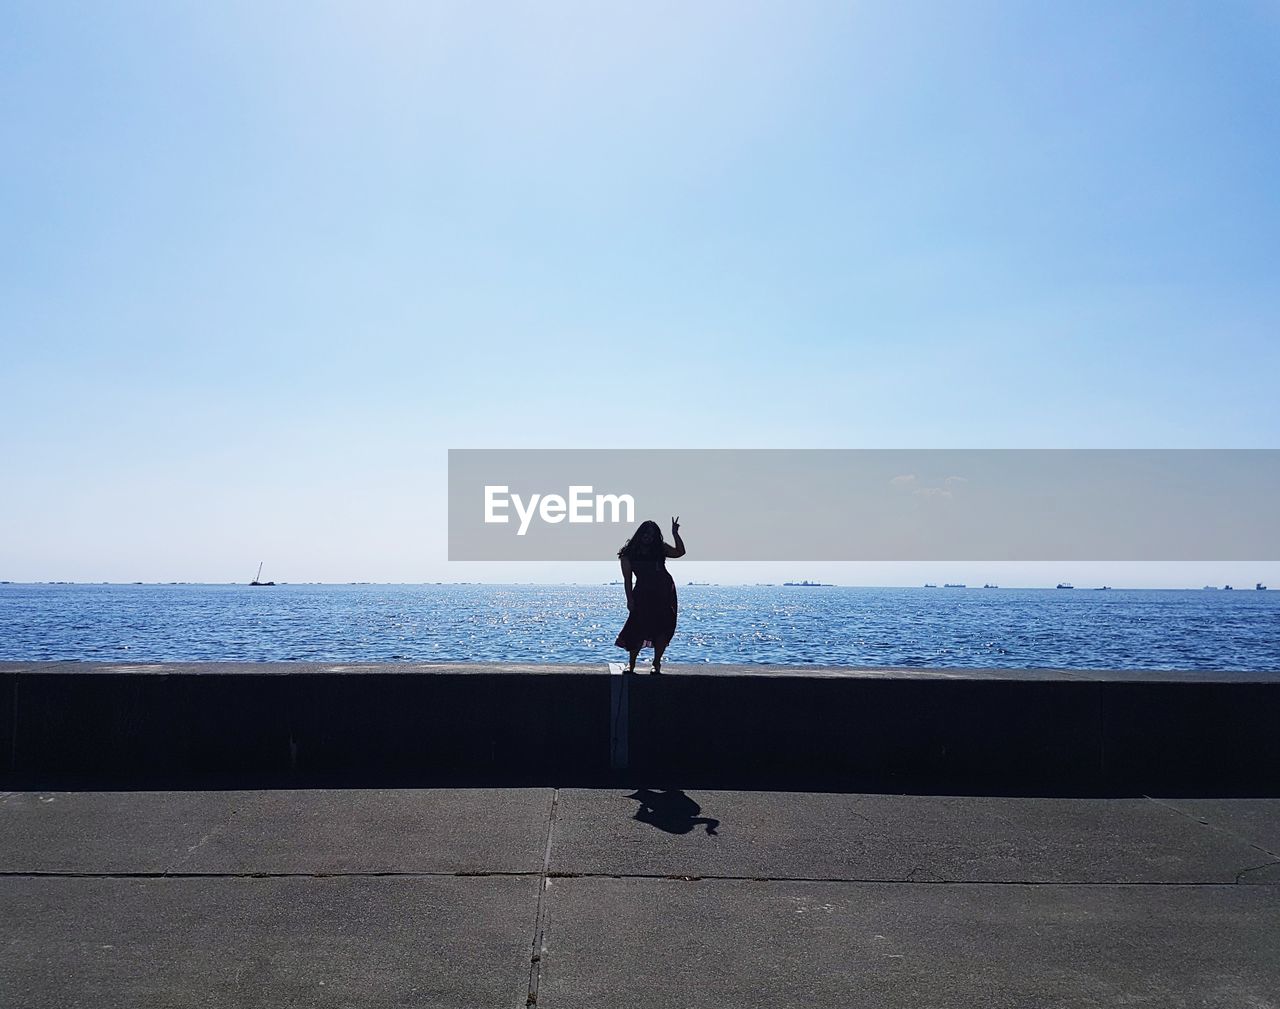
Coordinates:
[646,542]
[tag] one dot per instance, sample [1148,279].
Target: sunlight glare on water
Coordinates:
[1011,628]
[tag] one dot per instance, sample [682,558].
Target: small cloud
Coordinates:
[952,481]
[932,492]
[903,481]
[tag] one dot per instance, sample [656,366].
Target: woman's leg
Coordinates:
[658,649]
[634,653]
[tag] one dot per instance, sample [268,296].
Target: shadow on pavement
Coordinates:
[671,810]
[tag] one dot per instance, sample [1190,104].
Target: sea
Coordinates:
[816,625]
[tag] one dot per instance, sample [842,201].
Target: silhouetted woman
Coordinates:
[652,601]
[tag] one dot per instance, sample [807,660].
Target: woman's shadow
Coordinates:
[670,810]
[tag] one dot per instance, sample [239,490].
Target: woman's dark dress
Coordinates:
[652,620]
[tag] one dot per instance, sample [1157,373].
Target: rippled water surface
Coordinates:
[1079,629]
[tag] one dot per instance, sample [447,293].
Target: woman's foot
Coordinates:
[657,666]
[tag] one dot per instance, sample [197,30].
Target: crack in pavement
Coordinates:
[1214,827]
[315,874]
[201,843]
[548,877]
[1255,868]
[540,916]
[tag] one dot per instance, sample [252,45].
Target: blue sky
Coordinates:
[262,265]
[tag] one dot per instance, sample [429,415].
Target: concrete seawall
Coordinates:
[729,725]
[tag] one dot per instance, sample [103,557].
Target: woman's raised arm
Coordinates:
[678,549]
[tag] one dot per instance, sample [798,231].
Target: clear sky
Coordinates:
[261,265]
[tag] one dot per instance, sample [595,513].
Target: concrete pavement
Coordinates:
[635,897]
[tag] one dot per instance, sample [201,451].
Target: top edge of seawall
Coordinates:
[219,668]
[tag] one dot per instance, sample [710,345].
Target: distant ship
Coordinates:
[1211,588]
[1227,588]
[1258,586]
[1103,588]
[1065,585]
[991,586]
[806,585]
[953,585]
[930,585]
[257,579]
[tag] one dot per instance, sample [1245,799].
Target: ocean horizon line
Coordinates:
[692,583]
